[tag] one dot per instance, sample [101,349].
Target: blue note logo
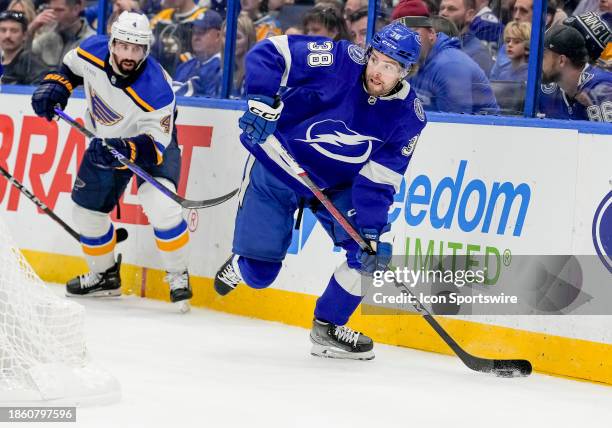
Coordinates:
[602,231]
[101,112]
[333,139]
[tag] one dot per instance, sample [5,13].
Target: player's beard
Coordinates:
[377,87]
[126,66]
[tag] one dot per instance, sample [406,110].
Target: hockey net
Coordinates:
[43,355]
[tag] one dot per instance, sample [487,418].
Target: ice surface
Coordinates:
[209,369]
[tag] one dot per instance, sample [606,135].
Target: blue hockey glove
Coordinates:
[54,90]
[140,150]
[259,121]
[370,263]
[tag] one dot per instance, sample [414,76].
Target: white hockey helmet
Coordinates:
[132,27]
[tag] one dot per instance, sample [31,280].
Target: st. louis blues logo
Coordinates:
[101,112]
[602,231]
[332,138]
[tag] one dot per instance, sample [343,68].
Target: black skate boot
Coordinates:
[227,278]
[180,289]
[94,284]
[335,341]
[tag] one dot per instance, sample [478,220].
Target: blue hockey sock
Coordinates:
[257,273]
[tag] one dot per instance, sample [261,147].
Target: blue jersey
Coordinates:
[199,78]
[594,97]
[593,100]
[337,132]
[450,81]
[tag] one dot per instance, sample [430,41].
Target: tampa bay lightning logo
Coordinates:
[549,88]
[357,54]
[602,231]
[333,139]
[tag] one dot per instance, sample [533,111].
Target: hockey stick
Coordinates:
[503,368]
[122,234]
[185,203]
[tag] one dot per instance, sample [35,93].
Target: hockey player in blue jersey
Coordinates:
[123,111]
[351,120]
[586,90]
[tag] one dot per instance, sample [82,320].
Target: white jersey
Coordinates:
[123,108]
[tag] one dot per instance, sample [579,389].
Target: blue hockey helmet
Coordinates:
[398,42]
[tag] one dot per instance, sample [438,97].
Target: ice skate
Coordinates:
[92,284]
[227,278]
[335,341]
[180,289]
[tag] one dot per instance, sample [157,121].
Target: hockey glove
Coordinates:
[54,90]
[370,263]
[259,121]
[140,150]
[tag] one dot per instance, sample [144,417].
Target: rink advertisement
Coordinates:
[490,196]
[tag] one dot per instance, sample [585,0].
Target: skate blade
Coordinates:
[183,306]
[100,293]
[330,352]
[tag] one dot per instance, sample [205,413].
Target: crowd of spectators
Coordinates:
[474,58]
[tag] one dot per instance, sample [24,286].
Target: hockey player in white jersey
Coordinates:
[131,107]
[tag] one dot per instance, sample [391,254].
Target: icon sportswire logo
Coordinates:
[333,139]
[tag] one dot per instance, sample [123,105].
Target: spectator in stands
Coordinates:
[597,35]
[172,32]
[120,6]
[516,42]
[20,66]
[323,20]
[462,12]
[587,90]
[448,79]
[266,25]
[70,30]
[358,26]
[486,26]
[410,8]
[522,12]
[200,74]
[441,24]
[27,7]
[352,6]
[605,6]
[245,39]
[554,13]
[595,30]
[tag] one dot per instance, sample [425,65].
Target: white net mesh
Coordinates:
[42,341]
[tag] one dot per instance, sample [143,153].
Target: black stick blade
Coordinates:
[511,368]
[209,202]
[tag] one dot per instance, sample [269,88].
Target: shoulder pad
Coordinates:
[94,50]
[140,91]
